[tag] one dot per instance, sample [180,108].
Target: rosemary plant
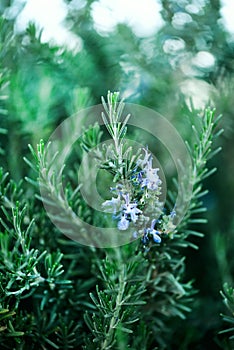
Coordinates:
[57,294]
[162,290]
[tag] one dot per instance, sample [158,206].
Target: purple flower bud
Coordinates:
[156,237]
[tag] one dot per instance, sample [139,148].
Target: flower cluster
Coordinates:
[129,210]
[148,176]
[137,202]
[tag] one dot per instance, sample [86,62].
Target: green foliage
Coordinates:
[26,273]
[118,303]
[163,266]
[228,299]
[57,294]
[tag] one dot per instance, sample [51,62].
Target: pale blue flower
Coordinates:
[123,224]
[148,176]
[156,234]
[156,237]
[130,208]
[143,162]
[112,205]
[151,180]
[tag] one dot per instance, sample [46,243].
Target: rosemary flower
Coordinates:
[151,230]
[123,223]
[130,208]
[113,205]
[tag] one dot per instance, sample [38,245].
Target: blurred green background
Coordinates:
[185,64]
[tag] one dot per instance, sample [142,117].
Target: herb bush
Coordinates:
[157,291]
